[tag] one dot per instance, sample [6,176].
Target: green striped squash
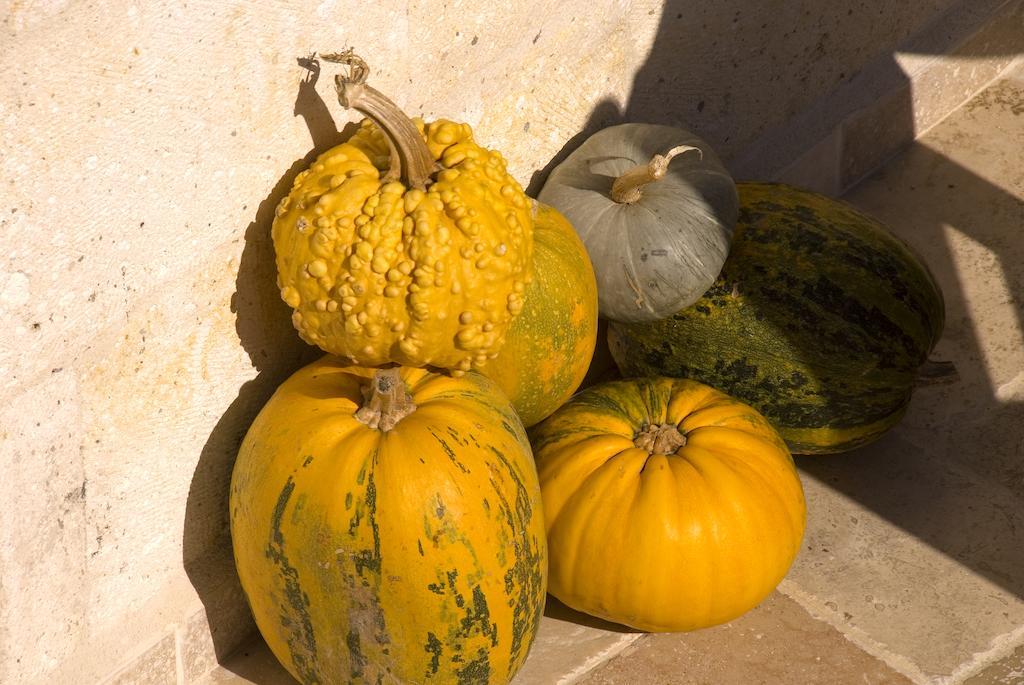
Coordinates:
[390,532]
[821,319]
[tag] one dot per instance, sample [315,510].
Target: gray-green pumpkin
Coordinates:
[656,210]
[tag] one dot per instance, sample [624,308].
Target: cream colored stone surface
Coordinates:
[143,147]
[776,642]
[157,666]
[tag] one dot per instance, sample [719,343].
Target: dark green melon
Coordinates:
[821,319]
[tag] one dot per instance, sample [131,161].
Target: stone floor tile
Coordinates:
[157,666]
[569,644]
[915,543]
[778,642]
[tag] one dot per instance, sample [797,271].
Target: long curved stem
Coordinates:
[627,187]
[411,161]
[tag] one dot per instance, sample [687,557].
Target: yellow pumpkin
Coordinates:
[387,527]
[549,346]
[409,243]
[669,506]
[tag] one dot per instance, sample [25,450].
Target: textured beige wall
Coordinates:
[143,147]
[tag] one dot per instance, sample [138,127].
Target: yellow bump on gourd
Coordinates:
[379,265]
[291,296]
[364,251]
[317,268]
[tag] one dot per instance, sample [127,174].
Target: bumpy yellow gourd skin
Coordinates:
[415,555]
[549,346]
[666,542]
[377,272]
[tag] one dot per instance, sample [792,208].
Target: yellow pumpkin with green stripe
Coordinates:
[387,527]
[549,346]
[670,506]
[821,318]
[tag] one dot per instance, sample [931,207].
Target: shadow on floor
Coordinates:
[952,473]
[560,612]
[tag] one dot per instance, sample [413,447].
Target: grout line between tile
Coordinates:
[605,655]
[179,654]
[1002,646]
[813,606]
[1013,64]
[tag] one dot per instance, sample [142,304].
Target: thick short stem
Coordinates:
[663,438]
[935,372]
[411,161]
[386,400]
[627,187]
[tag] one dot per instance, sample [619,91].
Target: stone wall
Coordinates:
[143,148]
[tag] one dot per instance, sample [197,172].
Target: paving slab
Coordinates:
[1007,671]
[915,544]
[777,642]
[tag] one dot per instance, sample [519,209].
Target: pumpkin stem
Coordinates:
[410,158]
[386,400]
[663,438]
[935,372]
[626,189]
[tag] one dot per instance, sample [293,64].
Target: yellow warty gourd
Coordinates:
[409,243]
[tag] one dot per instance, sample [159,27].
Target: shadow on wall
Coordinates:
[264,327]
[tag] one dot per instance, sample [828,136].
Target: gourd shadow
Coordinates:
[554,609]
[264,328]
[605,113]
[952,472]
